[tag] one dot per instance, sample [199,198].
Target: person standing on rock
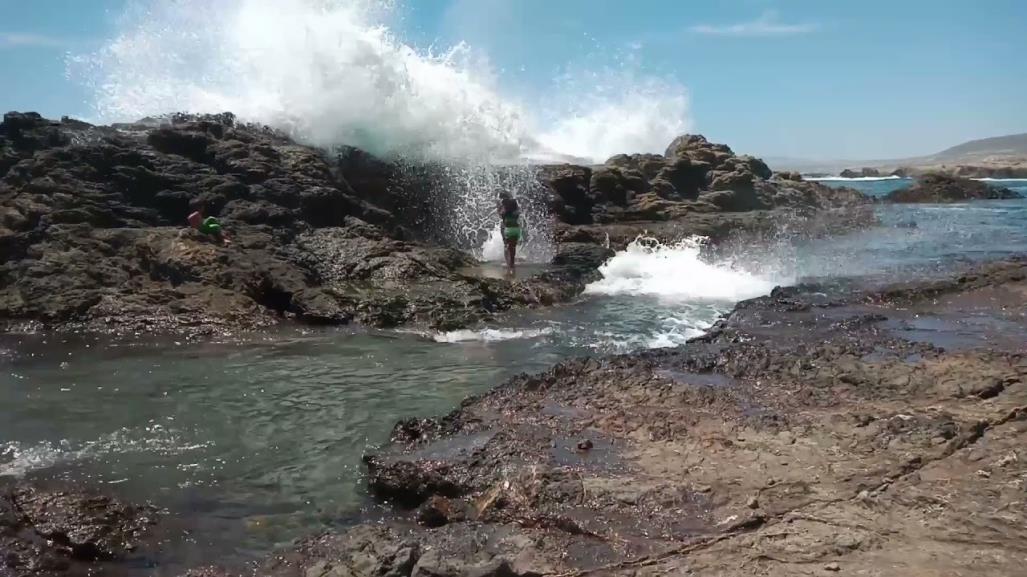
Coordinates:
[209,225]
[510,215]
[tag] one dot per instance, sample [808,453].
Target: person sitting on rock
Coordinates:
[208,226]
[510,214]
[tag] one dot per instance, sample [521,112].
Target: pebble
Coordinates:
[753,503]
[585,445]
[832,567]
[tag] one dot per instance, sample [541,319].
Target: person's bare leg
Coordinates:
[509,253]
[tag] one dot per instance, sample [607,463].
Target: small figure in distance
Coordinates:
[510,215]
[208,225]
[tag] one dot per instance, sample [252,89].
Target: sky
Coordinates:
[815,79]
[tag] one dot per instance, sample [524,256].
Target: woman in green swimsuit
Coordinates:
[510,214]
[207,225]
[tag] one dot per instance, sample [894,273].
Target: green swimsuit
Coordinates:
[210,225]
[512,227]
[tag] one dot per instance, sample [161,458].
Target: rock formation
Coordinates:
[92,226]
[56,532]
[865,172]
[942,188]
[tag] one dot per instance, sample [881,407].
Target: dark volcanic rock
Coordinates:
[92,229]
[865,172]
[92,226]
[47,532]
[941,188]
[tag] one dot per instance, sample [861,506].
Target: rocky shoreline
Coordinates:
[92,226]
[812,431]
[816,430]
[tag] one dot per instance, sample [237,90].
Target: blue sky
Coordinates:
[801,78]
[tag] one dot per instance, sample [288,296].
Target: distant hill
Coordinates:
[1011,145]
[998,157]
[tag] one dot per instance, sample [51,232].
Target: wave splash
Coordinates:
[677,272]
[332,72]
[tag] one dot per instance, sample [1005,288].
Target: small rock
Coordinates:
[832,567]
[753,503]
[585,445]
[1007,460]
[983,474]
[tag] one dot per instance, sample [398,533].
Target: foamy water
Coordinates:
[490,335]
[677,272]
[17,459]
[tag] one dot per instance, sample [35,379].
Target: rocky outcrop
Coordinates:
[52,532]
[865,172]
[942,188]
[93,237]
[823,427]
[696,188]
[92,226]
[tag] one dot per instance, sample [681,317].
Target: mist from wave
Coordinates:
[333,72]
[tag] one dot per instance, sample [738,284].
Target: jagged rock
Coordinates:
[49,532]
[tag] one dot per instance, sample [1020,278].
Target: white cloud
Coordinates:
[765,26]
[14,39]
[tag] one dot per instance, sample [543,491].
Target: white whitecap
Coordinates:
[676,272]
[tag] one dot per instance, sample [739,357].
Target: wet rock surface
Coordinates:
[58,532]
[944,188]
[814,430]
[92,227]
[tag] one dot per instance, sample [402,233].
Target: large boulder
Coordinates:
[570,196]
[696,144]
[616,186]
